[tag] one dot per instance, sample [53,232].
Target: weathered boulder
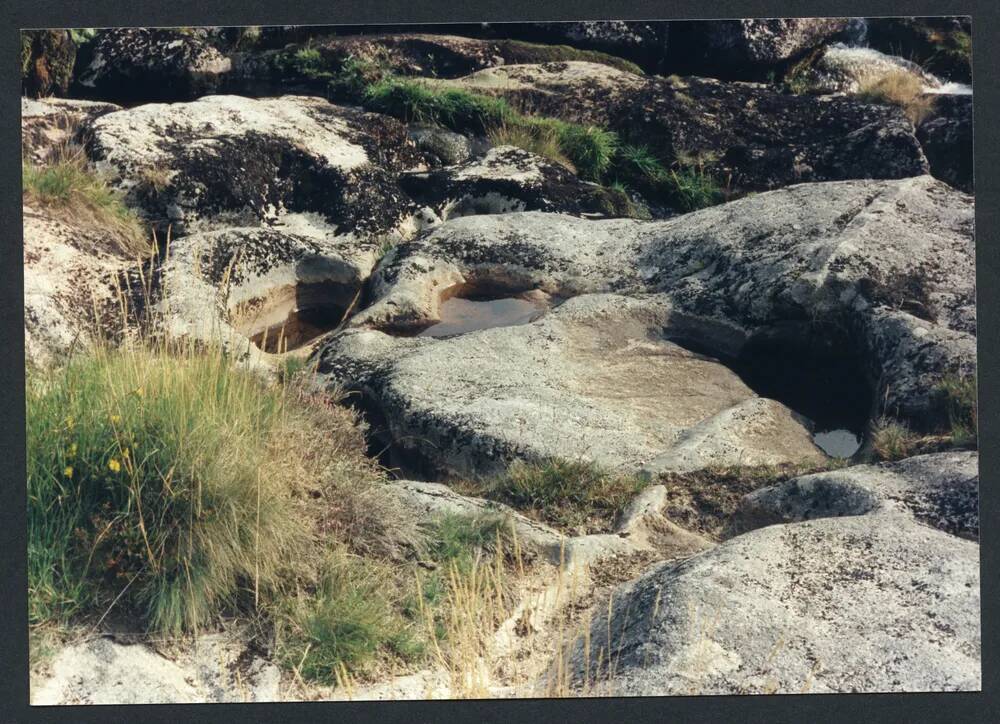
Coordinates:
[48,124]
[593,379]
[509,179]
[746,135]
[742,48]
[946,137]
[856,604]
[150,64]
[232,161]
[841,69]
[215,668]
[883,268]
[70,285]
[47,60]
[940,490]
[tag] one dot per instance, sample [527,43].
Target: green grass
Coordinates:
[685,184]
[176,484]
[352,618]
[569,494]
[70,188]
[456,109]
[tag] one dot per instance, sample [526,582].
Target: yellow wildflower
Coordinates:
[68,472]
[69,422]
[114,465]
[115,419]
[72,451]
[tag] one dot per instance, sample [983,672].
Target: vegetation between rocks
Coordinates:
[573,495]
[958,408]
[82,196]
[901,89]
[170,488]
[594,153]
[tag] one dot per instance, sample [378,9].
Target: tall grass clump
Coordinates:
[173,486]
[70,188]
[898,88]
[685,184]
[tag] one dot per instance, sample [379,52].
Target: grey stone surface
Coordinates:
[833,605]
[593,380]
[940,490]
[225,161]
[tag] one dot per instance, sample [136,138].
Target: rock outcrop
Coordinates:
[47,61]
[216,668]
[940,490]
[842,69]
[231,161]
[746,48]
[71,286]
[150,64]
[873,602]
[747,135]
[884,268]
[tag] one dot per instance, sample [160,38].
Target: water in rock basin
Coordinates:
[468,314]
[829,389]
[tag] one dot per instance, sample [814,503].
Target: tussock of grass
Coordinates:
[955,395]
[685,184]
[958,396]
[348,621]
[898,88]
[176,482]
[69,187]
[572,495]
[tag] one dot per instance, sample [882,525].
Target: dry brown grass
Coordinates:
[901,89]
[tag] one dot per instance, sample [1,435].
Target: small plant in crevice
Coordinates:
[957,395]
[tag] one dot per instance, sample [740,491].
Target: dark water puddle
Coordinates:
[829,388]
[292,317]
[468,314]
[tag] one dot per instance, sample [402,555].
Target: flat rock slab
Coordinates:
[231,161]
[591,380]
[834,605]
[940,490]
